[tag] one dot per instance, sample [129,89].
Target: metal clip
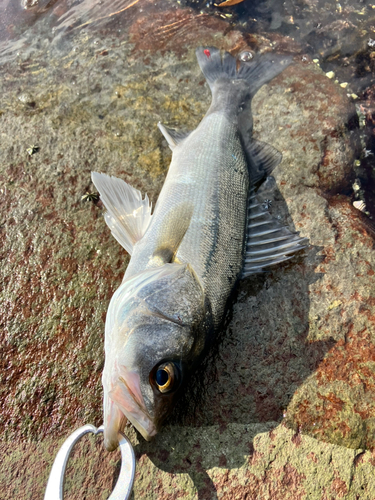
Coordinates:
[124,485]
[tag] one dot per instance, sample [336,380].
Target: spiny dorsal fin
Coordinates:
[268,241]
[128,215]
[172,136]
[262,159]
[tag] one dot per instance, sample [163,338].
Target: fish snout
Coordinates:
[126,403]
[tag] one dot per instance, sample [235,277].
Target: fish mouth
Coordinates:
[125,402]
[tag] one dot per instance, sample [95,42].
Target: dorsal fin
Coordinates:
[128,215]
[262,159]
[268,241]
[172,136]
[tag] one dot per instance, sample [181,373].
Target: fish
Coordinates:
[208,231]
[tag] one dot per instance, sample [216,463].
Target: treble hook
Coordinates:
[124,485]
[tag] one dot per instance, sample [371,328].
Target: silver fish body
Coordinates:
[206,192]
[187,257]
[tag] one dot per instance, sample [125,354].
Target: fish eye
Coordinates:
[166,377]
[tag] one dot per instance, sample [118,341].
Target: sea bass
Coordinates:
[208,231]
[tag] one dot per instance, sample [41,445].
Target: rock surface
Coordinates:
[278,464]
[287,408]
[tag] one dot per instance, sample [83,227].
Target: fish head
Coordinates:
[154,334]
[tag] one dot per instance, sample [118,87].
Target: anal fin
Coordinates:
[128,216]
[268,241]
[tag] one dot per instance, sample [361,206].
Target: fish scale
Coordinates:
[215,181]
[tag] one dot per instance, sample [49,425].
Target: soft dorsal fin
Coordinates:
[128,215]
[268,241]
[172,136]
[262,159]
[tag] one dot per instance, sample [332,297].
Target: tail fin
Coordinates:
[257,72]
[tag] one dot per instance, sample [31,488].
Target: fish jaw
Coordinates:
[114,421]
[124,401]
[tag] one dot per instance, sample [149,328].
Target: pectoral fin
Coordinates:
[175,224]
[128,216]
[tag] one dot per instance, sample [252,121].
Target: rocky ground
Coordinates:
[287,406]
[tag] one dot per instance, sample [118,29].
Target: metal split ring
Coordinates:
[124,485]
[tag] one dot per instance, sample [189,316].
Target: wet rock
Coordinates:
[336,402]
[318,125]
[341,298]
[366,169]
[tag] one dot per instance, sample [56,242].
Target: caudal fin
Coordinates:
[260,70]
